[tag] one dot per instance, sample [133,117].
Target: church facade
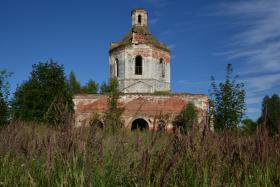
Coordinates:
[141,64]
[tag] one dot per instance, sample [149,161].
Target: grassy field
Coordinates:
[38,155]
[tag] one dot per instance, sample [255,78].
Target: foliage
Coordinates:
[4,111]
[112,117]
[162,93]
[4,93]
[91,87]
[74,84]
[162,121]
[39,155]
[228,101]
[96,120]
[187,118]
[249,126]
[45,96]
[270,117]
[104,88]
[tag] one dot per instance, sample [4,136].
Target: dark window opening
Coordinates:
[138,65]
[140,124]
[139,19]
[117,67]
[162,67]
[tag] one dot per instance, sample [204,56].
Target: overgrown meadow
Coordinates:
[51,151]
[41,155]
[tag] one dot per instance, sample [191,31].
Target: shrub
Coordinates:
[227,102]
[249,126]
[187,118]
[112,119]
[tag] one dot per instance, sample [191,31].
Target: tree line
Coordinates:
[46,97]
[91,87]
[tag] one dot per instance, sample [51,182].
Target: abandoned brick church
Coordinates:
[141,64]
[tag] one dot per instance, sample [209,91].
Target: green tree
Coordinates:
[249,126]
[270,117]
[45,96]
[74,84]
[187,118]
[91,87]
[228,101]
[4,93]
[104,88]
[112,119]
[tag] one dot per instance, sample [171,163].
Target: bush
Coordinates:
[249,126]
[227,101]
[112,119]
[187,118]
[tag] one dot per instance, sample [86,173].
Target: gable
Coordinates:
[139,87]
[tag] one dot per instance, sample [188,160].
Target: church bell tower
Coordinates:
[140,62]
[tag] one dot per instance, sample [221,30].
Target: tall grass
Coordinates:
[38,155]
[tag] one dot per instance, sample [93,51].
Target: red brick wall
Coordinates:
[144,106]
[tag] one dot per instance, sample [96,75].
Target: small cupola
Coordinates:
[139,18]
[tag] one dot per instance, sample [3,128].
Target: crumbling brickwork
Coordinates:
[141,106]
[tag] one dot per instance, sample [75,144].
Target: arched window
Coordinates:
[162,67]
[138,65]
[139,19]
[117,68]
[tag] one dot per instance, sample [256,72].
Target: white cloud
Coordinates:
[259,38]
[257,43]
[262,83]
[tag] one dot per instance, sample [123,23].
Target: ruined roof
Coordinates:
[139,103]
[156,94]
[149,39]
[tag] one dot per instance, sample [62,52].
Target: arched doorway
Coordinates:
[97,124]
[140,124]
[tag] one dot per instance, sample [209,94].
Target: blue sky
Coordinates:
[204,36]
